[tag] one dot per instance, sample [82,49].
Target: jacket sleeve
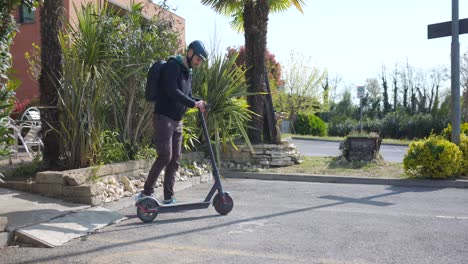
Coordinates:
[171,86]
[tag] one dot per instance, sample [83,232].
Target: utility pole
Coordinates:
[452,28]
[455,60]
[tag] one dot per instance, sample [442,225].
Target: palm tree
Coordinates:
[252,16]
[51,62]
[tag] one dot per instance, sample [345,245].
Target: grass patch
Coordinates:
[335,167]
[24,171]
[403,142]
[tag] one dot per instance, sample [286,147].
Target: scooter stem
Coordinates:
[213,161]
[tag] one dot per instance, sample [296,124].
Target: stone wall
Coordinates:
[102,184]
[265,155]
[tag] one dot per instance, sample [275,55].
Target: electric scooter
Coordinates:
[149,207]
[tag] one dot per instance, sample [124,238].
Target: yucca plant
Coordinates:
[106,58]
[190,129]
[86,69]
[222,84]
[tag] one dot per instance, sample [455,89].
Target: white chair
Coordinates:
[33,115]
[30,127]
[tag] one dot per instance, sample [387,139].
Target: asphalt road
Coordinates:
[317,148]
[284,222]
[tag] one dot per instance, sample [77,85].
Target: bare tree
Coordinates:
[436,78]
[395,87]
[386,104]
[302,87]
[371,103]
[420,97]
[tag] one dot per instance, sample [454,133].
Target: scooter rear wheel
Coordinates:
[223,207]
[142,210]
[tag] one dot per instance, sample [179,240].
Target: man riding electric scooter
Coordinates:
[174,98]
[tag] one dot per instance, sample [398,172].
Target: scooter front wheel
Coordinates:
[223,205]
[147,210]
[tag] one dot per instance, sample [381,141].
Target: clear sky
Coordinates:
[351,39]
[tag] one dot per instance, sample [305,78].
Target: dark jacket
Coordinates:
[176,93]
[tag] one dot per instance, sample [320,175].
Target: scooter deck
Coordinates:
[182,206]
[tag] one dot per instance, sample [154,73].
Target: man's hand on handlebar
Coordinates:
[201,105]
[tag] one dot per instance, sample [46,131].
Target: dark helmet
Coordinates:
[199,49]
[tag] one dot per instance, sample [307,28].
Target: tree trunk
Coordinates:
[255,26]
[395,90]
[51,61]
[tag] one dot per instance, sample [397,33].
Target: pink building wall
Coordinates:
[29,33]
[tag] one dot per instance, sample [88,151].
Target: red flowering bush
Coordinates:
[20,106]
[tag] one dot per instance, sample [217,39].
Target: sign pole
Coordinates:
[361,93]
[360,119]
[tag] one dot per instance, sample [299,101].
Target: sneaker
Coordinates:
[140,196]
[170,201]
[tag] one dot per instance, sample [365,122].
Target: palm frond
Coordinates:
[283,5]
[222,84]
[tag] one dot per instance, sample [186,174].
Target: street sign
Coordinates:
[444,29]
[361,91]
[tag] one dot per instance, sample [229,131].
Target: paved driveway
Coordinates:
[284,222]
[318,148]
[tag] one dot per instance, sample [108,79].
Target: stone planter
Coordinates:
[361,148]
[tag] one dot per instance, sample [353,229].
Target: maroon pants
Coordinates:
[168,141]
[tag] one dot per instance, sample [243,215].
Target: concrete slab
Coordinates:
[4,239]
[60,230]
[24,209]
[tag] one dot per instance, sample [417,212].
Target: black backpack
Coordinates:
[152,80]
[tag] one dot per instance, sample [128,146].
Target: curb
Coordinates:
[462,184]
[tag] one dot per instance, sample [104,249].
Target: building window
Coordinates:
[26,14]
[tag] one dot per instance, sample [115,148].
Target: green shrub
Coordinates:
[356,133]
[301,124]
[190,129]
[433,157]
[447,132]
[400,124]
[7,98]
[464,149]
[317,126]
[372,125]
[310,125]
[110,148]
[419,126]
[145,151]
[342,126]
